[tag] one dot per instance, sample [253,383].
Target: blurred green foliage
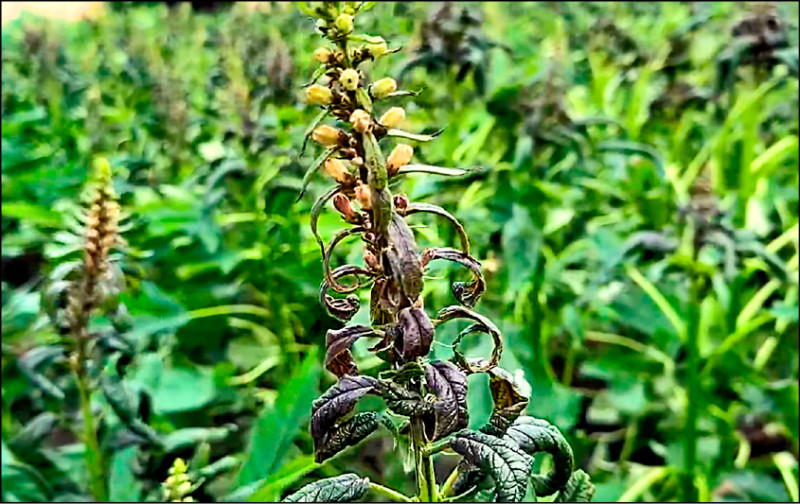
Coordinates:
[598,126]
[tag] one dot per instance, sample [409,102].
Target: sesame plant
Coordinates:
[426,399]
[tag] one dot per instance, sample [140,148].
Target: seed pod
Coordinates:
[344,23]
[319,95]
[401,202]
[360,120]
[364,196]
[349,79]
[323,54]
[383,87]
[336,169]
[327,135]
[400,156]
[392,117]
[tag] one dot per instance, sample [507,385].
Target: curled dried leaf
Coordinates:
[427,208]
[467,293]
[508,400]
[316,210]
[326,257]
[483,325]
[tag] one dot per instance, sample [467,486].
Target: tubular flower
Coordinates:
[383,87]
[349,79]
[336,169]
[399,157]
[392,117]
[377,49]
[323,55]
[318,95]
[327,135]
[364,196]
[360,120]
[344,23]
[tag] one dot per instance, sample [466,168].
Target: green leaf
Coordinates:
[413,136]
[313,169]
[276,427]
[344,488]
[578,489]
[533,435]
[123,484]
[31,213]
[270,490]
[508,465]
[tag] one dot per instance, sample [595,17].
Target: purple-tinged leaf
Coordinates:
[449,385]
[337,402]
[338,359]
[413,333]
[402,401]
[348,433]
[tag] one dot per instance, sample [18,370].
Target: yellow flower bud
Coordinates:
[184,488]
[336,169]
[400,156]
[349,79]
[360,120]
[327,135]
[383,87]
[323,54]
[344,23]
[377,49]
[318,95]
[393,117]
[364,196]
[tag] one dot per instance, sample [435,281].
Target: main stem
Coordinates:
[693,393]
[426,479]
[94,456]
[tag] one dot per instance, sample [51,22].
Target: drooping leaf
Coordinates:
[437,170]
[341,308]
[578,489]
[126,407]
[311,127]
[467,293]
[337,402]
[413,136]
[328,252]
[508,465]
[413,333]
[34,432]
[338,359]
[29,366]
[315,165]
[449,385]
[317,209]
[348,433]
[534,435]
[344,488]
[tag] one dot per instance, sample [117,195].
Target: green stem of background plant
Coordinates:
[692,373]
[94,456]
[388,492]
